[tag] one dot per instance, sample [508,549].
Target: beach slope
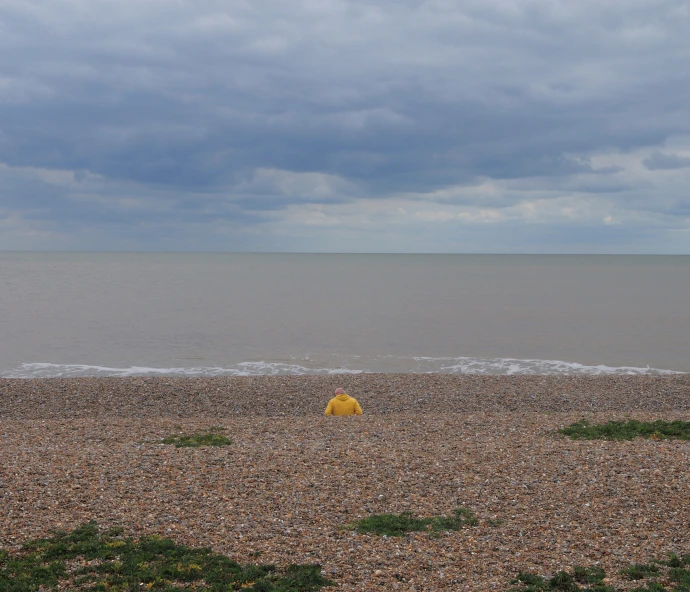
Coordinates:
[75,450]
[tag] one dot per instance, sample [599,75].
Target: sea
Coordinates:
[67,314]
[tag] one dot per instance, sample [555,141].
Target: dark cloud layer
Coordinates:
[295,120]
[659,160]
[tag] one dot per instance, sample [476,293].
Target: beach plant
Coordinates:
[581,578]
[670,575]
[628,430]
[401,524]
[104,560]
[640,571]
[211,438]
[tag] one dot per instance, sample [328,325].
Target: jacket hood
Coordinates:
[343,397]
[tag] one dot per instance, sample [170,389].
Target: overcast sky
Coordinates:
[511,126]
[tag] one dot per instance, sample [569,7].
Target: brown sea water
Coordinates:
[73,314]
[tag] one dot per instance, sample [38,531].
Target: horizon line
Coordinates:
[486,253]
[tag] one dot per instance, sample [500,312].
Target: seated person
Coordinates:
[343,404]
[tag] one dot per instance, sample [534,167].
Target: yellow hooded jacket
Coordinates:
[343,405]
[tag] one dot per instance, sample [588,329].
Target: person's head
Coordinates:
[339,391]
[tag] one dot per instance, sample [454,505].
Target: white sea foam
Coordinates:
[510,366]
[47,370]
[346,365]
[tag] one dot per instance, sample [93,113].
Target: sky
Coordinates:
[454,126]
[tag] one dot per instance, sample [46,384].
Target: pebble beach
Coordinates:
[80,449]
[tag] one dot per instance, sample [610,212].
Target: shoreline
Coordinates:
[82,449]
[53,398]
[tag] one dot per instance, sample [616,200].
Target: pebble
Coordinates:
[84,449]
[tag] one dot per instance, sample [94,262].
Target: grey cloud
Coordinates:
[88,201]
[660,161]
[192,98]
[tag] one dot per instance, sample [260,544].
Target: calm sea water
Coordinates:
[76,314]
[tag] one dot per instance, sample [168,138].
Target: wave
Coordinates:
[345,365]
[47,370]
[510,366]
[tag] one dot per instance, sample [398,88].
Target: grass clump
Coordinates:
[672,575]
[210,438]
[94,560]
[628,430]
[640,571]
[401,524]
[580,578]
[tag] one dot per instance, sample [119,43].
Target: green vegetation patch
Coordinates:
[94,560]
[400,524]
[581,578]
[672,575]
[640,571]
[628,430]
[210,438]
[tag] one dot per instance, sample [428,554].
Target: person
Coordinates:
[343,404]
